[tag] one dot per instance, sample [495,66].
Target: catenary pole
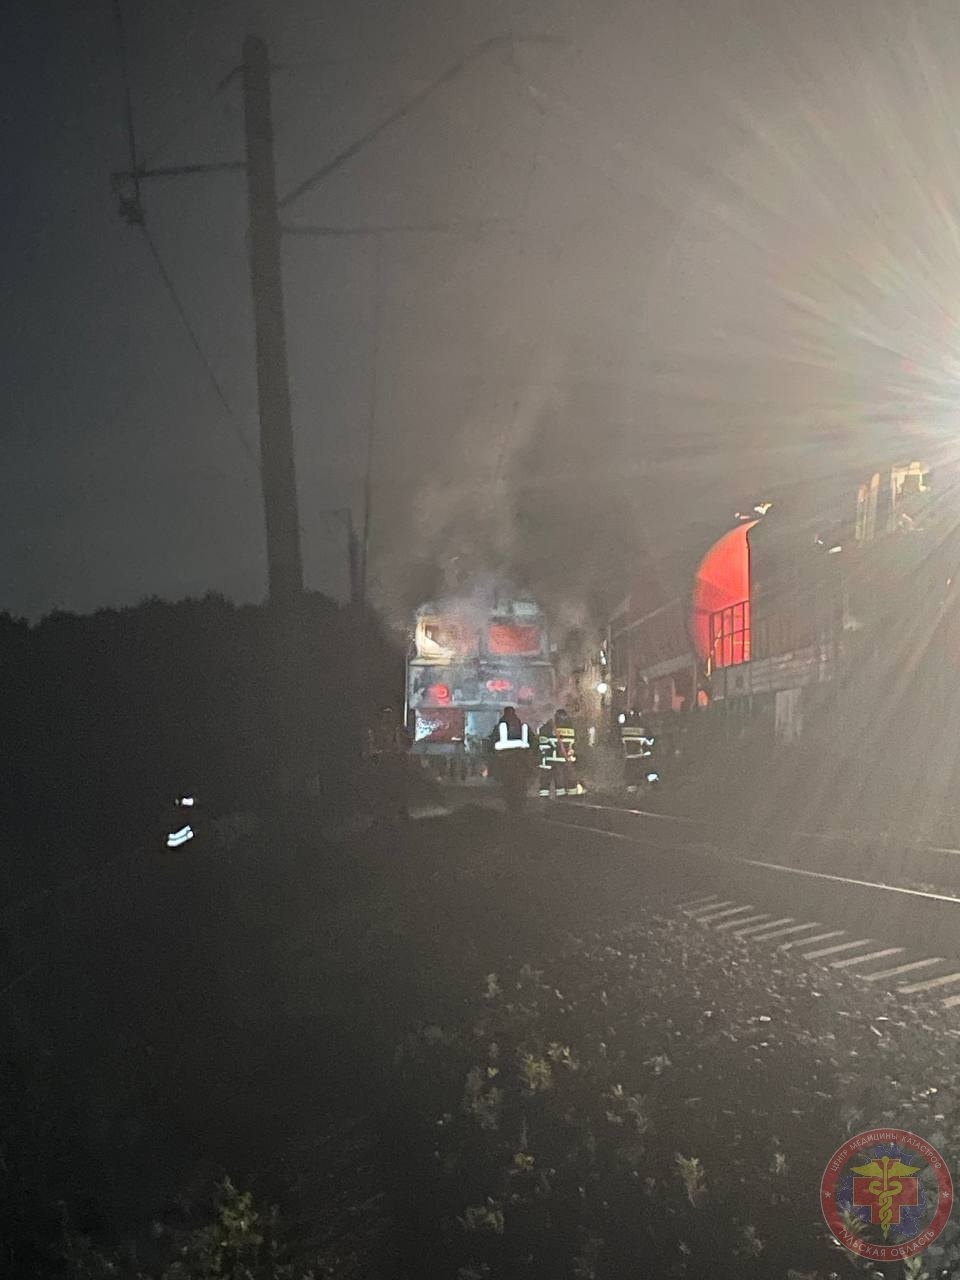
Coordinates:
[277,459]
[277,464]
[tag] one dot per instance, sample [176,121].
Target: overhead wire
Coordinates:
[189,117]
[198,348]
[399,113]
[165,276]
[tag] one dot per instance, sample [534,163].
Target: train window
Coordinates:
[511,639]
[440,638]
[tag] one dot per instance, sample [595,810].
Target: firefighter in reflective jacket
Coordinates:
[550,758]
[510,742]
[637,746]
[566,775]
[510,732]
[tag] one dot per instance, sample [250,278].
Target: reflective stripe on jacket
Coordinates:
[566,736]
[549,754]
[636,744]
[504,742]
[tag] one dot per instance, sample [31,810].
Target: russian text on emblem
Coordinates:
[886,1194]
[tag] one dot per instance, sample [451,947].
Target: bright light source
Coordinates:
[186,800]
[621,718]
[177,838]
[603,687]
[653,777]
[833,550]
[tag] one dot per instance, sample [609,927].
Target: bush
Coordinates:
[238,1242]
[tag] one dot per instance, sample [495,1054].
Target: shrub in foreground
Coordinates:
[239,1241]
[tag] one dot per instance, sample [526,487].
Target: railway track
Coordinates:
[883,933]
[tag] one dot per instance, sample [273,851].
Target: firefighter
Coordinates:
[637,747]
[566,776]
[549,756]
[510,742]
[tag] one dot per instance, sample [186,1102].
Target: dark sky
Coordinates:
[725,256]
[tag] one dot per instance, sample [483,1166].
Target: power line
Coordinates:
[408,107]
[191,116]
[399,113]
[137,219]
[195,343]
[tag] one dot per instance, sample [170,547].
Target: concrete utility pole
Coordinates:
[277,464]
[278,475]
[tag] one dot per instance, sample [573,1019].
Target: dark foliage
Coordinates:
[105,717]
[118,961]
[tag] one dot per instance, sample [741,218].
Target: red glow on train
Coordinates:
[499,685]
[512,639]
[722,581]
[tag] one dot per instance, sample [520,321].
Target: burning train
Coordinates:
[469,657]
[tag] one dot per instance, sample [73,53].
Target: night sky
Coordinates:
[698,249]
